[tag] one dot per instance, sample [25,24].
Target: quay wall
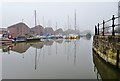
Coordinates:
[108,48]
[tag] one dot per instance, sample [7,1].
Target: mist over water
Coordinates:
[51,59]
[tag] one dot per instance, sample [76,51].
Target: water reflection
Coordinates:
[40,45]
[87,37]
[23,46]
[48,42]
[51,59]
[103,70]
[37,45]
[36,59]
[75,52]
[20,47]
[6,48]
[71,50]
[60,41]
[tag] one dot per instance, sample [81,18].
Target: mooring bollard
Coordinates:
[117,60]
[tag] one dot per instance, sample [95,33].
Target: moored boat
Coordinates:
[72,37]
[5,40]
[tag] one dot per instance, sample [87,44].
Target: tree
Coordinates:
[88,35]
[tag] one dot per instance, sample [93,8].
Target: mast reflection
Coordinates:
[21,48]
[75,45]
[38,47]
[68,49]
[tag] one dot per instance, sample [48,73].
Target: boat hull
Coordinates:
[6,42]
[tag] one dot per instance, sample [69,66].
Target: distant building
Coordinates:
[19,29]
[37,30]
[58,31]
[3,30]
[49,30]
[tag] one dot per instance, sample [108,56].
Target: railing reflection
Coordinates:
[103,70]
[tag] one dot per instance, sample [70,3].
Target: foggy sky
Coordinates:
[88,13]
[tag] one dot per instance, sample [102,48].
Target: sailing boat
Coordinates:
[73,36]
[76,36]
[67,36]
[34,38]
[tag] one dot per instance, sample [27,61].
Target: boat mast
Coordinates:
[56,25]
[68,22]
[22,20]
[43,22]
[35,22]
[75,20]
[22,28]
[35,18]
[36,48]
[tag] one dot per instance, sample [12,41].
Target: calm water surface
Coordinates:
[51,59]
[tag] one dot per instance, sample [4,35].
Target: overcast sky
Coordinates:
[88,13]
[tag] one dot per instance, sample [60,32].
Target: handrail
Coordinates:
[108,20]
[97,28]
[117,17]
[117,25]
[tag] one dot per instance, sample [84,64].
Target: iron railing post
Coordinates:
[113,25]
[95,30]
[103,27]
[98,29]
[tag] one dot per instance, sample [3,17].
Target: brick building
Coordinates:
[19,29]
[37,30]
[49,30]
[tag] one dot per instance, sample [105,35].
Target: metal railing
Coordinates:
[112,20]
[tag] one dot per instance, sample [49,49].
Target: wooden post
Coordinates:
[98,29]
[113,25]
[117,60]
[103,27]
